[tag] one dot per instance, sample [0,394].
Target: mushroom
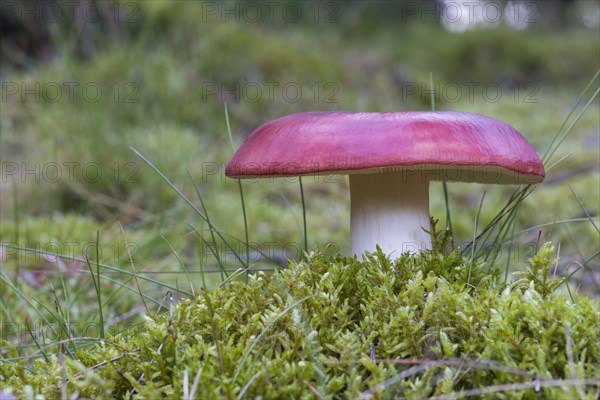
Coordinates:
[391,158]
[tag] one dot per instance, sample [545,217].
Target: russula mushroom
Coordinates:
[391,158]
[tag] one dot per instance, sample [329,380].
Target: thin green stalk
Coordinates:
[566,281]
[508,223]
[64,313]
[448,218]
[64,318]
[303,215]
[124,285]
[506,268]
[555,163]
[258,250]
[239,182]
[248,384]
[137,283]
[96,281]
[58,316]
[474,235]
[444,185]
[289,206]
[590,258]
[555,144]
[431,91]
[37,344]
[237,256]
[99,288]
[210,226]
[212,271]
[570,128]
[209,305]
[507,216]
[585,211]
[25,301]
[104,266]
[547,154]
[91,340]
[182,265]
[6,312]
[502,218]
[536,227]
[16,222]
[30,308]
[188,201]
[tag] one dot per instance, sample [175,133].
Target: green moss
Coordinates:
[317,325]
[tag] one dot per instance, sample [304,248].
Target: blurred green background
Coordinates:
[82,82]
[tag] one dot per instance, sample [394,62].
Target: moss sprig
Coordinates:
[336,327]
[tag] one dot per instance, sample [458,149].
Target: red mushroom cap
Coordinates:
[442,145]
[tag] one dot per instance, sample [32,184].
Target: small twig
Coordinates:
[196,384]
[126,380]
[248,384]
[459,362]
[387,383]
[186,393]
[536,384]
[82,339]
[314,390]
[126,315]
[460,373]
[99,365]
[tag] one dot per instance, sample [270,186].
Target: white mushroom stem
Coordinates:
[389,209]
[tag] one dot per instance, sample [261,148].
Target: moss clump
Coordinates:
[408,327]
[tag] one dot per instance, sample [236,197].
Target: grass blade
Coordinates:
[444,185]
[16,222]
[549,150]
[96,282]
[474,235]
[209,305]
[585,211]
[289,205]
[137,283]
[504,221]
[239,182]
[570,128]
[188,201]
[37,344]
[210,226]
[105,266]
[303,214]
[187,275]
